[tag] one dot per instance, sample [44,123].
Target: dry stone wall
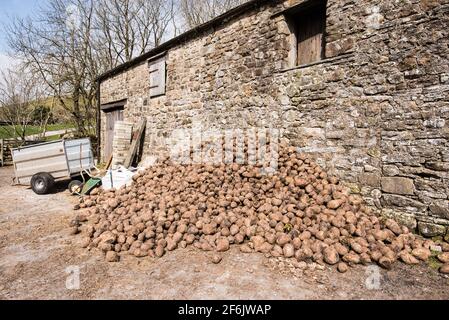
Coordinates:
[375,111]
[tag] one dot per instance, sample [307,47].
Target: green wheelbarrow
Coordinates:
[90,185]
[84,188]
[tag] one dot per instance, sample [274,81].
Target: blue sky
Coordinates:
[12,8]
[21,8]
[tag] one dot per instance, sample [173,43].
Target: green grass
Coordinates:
[5,132]
[434,263]
[53,138]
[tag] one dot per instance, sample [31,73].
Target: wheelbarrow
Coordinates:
[84,187]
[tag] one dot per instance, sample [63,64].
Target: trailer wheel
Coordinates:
[75,187]
[42,182]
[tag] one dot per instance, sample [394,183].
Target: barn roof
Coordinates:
[192,33]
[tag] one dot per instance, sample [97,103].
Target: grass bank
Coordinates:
[5,132]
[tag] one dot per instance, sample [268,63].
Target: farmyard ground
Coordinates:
[38,254]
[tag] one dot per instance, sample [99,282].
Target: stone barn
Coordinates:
[361,85]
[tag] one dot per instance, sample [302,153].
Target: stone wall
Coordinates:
[375,111]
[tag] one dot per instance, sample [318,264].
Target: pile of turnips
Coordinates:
[299,212]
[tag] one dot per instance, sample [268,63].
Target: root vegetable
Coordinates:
[380,235]
[85,242]
[445,268]
[334,204]
[305,235]
[105,247]
[257,241]
[444,257]
[365,258]
[112,256]
[300,211]
[386,262]
[171,245]
[296,243]
[160,250]
[376,255]
[277,251]
[393,226]
[216,259]
[234,230]
[408,258]
[283,239]
[108,237]
[331,255]
[303,254]
[74,231]
[421,253]
[444,246]
[113,203]
[341,249]
[222,244]
[288,250]
[356,247]
[342,267]
[265,248]
[352,258]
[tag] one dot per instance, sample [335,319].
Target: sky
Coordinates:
[12,8]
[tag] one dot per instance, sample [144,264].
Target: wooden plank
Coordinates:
[108,164]
[135,146]
[1,153]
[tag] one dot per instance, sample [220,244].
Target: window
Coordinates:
[307,23]
[157,68]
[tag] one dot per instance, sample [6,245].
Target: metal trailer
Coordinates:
[41,164]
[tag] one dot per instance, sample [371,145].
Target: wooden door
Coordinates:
[310,31]
[111,118]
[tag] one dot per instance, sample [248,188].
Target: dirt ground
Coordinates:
[39,259]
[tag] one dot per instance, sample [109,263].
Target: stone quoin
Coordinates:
[363,86]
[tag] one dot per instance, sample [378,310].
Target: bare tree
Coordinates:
[128,28]
[197,12]
[56,45]
[68,43]
[19,97]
